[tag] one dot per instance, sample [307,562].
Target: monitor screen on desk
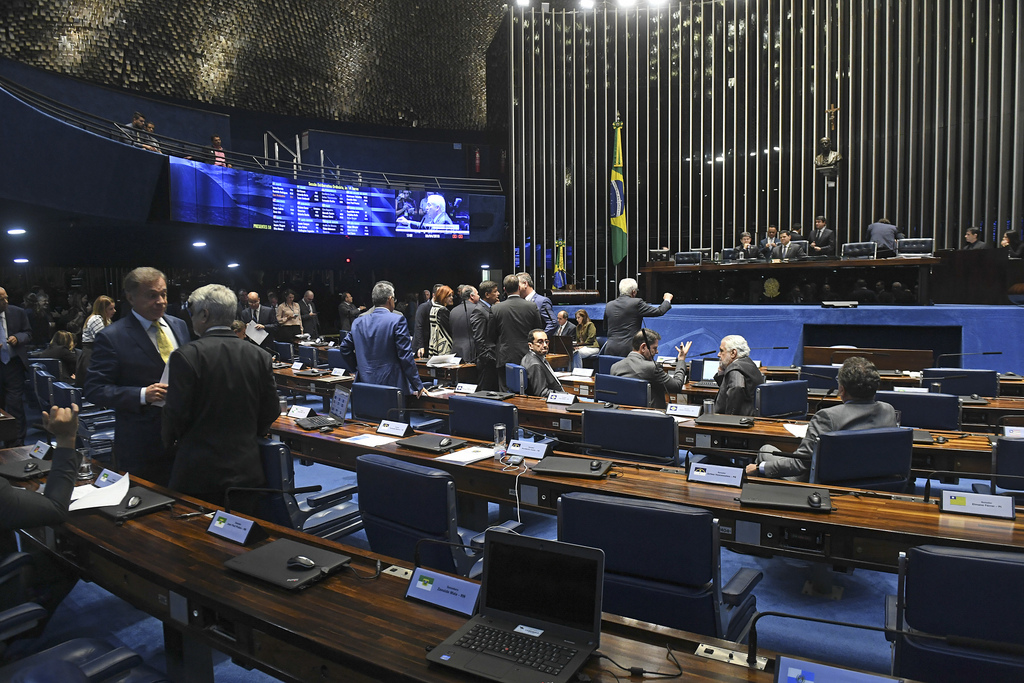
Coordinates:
[792,670]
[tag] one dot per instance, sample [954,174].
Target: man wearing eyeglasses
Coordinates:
[640,364]
[540,378]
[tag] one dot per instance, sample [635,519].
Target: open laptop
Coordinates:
[335,416]
[537,596]
[561,344]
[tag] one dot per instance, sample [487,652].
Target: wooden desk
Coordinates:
[342,629]
[883,359]
[865,530]
[464,372]
[322,386]
[8,427]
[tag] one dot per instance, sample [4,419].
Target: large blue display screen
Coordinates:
[217,195]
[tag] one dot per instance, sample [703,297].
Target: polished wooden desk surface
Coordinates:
[865,529]
[342,629]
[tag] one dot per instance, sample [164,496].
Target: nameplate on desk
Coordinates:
[441,590]
[716,474]
[338,372]
[683,410]
[330,344]
[528,449]
[235,529]
[561,398]
[106,478]
[1013,432]
[582,372]
[662,360]
[392,428]
[981,504]
[40,450]
[297,365]
[298,412]
[464,388]
[911,390]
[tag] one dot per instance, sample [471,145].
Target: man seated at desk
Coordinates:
[858,381]
[737,377]
[786,251]
[540,377]
[639,364]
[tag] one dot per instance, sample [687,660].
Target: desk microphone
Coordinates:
[828,394]
[961,355]
[644,457]
[256,489]
[855,352]
[928,481]
[752,348]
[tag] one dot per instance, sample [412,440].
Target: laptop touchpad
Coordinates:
[490,666]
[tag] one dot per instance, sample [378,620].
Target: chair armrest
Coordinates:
[12,563]
[511,526]
[19,619]
[110,664]
[333,497]
[740,586]
[890,616]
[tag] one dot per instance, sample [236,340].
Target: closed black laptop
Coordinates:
[432,443]
[559,465]
[540,612]
[149,501]
[270,563]
[22,470]
[725,420]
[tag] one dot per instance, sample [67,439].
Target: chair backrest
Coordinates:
[808,373]
[803,244]
[63,394]
[688,258]
[284,351]
[730,254]
[920,246]
[51,365]
[475,418]
[924,411]
[781,399]
[279,470]
[42,383]
[963,382]
[961,593]
[377,402]
[1008,460]
[626,391]
[401,504]
[336,360]
[605,363]
[859,250]
[307,354]
[515,378]
[864,458]
[617,433]
[667,575]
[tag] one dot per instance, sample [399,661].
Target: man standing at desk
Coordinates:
[379,347]
[463,344]
[737,377]
[547,311]
[640,364]
[487,374]
[125,373]
[624,315]
[15,334]
[540,377]
[822,243]
[307,311]
[221,397]
[509,327]
[884,234]
[858,382]
[264,317]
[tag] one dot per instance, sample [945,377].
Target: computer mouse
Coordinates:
[445,442]
[814,500]
[975,396]
[133,502]
[940,439]
[31,467]
[595,464]
[299,562]
[746,420]
[326,429]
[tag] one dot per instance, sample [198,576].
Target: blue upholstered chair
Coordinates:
[667,575]
[626,391]
[81,660]
[377,402]
[403,503]
[336,360]
[42,385]
[632,435]
[284,351]
[781,399]
[864,458]
[1007,470]
[962,382]
[964,595]
[307,354]
[605,363]
[475,418]
[515,378]
[924,411]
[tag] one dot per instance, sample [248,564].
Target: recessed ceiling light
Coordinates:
[484,265]
[232,265]
[21,260]
[16,231]
[199,244]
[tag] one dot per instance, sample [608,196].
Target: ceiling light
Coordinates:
[199,244]
[16,231]
[232,265]
[21,260]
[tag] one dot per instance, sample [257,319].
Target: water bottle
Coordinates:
[499,441]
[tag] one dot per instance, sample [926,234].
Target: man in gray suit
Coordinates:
[624,315]
[858,382]
[460,320]
[640,364]
[540,377]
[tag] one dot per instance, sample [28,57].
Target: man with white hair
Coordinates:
[624,316]
[221,397]
[737,377]
[434,213]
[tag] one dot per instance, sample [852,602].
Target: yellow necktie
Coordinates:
[163,343]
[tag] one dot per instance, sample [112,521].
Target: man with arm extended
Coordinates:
[737,377]
[624,315]
[640,364]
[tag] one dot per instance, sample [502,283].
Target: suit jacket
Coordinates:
[124,361]
[479,319]
[851,415]
[379,348]
[570,329]
[266,316]
[794,252]
[421,333]
[540,379]
[883,234]
[510,324]
[221,397]
[737,386]
[461,322]
[766,249]
[547,311]
[827,242]
[346,314]
[977,244]
[636,366]
[21,508]
[310,324]
[19,326]
[622,319]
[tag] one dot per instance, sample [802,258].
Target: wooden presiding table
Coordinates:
[866,529]
[341,629]
[321,385]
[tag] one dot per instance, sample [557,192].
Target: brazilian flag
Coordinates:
[560,277]
[617,209]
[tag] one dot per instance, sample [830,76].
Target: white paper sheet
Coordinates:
[86,497]
[370,440]
[796,430]
[256,335]
[467,456]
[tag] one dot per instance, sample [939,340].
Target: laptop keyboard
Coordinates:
[316,422]
[706,384]
[528,651]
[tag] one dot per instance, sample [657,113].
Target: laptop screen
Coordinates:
[339,403]
[545,582]
[710,369]
[792,670]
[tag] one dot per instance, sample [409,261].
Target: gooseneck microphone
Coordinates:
[752,348]
[939,358]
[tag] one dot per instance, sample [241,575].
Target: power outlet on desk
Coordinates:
[400,572]
[721,654]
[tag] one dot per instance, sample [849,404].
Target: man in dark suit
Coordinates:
[785,250]
[564,327]
[769,242]
[15,335]
[540,377]
[347,312]
[378,345]
[640,364]
[624,315]
[509,327]
[480,318]
[547,311]
[310,319]
[822,242]
[126,372]
[973,239]
[858,381]
[461,321]
[265,318]
[737,377]
[221,397]
[421,332]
